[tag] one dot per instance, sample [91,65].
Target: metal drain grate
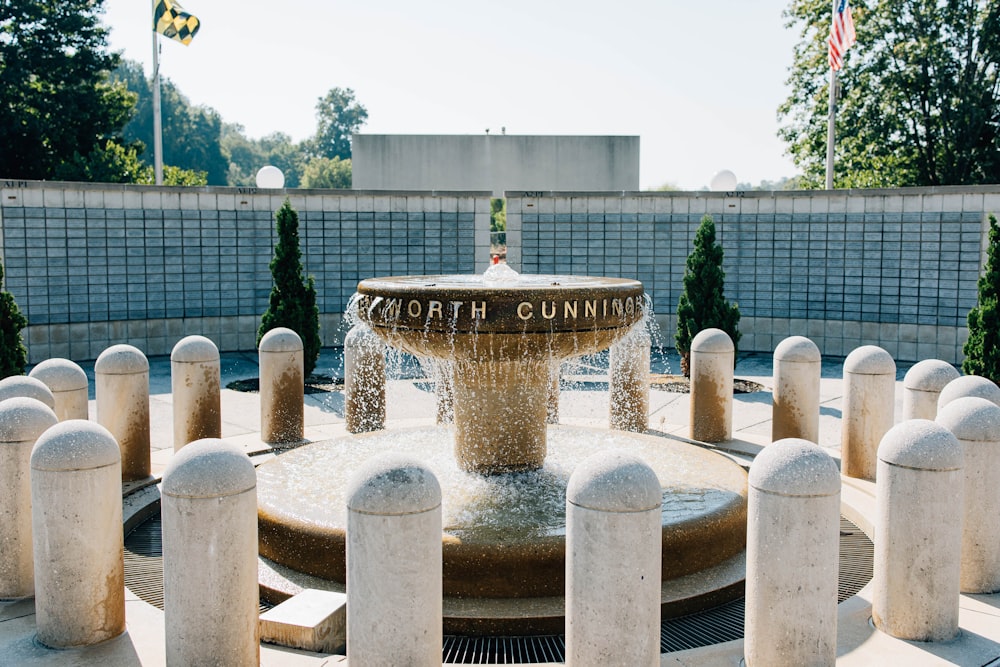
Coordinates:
[144,577]
[144,563]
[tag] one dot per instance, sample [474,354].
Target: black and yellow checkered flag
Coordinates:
[170,20]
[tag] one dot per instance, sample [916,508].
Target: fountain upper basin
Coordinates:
[460,317]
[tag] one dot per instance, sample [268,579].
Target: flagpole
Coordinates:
[830,123]
[830,134]
[157,125]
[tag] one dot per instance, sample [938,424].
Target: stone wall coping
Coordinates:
[14,183]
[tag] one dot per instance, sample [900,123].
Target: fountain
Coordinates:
[503,471]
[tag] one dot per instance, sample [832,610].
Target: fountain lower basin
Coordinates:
[503,536]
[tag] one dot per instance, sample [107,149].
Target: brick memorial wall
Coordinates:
[895,268]
[93,265]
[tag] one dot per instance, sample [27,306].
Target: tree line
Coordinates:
[918,104]
[71,110]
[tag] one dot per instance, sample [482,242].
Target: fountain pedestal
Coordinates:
[500,410]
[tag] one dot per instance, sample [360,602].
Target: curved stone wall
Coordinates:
[93,265]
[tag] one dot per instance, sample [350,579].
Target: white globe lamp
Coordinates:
[270,178]
[724,181]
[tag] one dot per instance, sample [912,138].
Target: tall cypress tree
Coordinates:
[13,355]
[293,300]
[982,349]
[702,304]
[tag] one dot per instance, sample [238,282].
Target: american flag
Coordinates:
[842,35]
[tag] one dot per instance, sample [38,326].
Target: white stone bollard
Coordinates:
[26,387]
[869,401]
[797,368]
[210,594]
[194,383]
[364,380]
[121,387]
[793,543]
[613,564]
[969,385]
[76,522]
[922,386]
[712,359]
[394,564]
[282,387]
[22,421]
[68,384]
[918,502]
[628,377]
[976,423]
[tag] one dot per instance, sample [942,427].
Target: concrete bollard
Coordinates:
[712,358]
[628,377]
[68,384]
[26,387]
[394,564]
[364,380]
[22,421]
[282,387]
[918,502]
[869,400]
[795,411]
[121,387]
[613,568]
[194,383]
[793,543]
[76,523]
[922,386]
[976,423]
[969,385]
[210,594]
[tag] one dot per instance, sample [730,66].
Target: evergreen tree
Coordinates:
[702,304]
[982,349]
[13,355]
[293,300]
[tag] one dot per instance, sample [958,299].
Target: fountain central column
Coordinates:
[500,409]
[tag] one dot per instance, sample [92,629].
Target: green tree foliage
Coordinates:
[982,349]
[293,300]
[192,135]
[13,355]
[246,156]
[57,103]
[339,116]
[919,96]
[498,221]
[702,304]
[324,172]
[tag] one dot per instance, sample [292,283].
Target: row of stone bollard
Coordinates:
[121,388]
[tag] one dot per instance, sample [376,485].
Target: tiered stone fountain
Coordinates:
[503,471]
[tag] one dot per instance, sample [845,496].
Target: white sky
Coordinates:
[699,82]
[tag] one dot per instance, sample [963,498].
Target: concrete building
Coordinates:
[494,162]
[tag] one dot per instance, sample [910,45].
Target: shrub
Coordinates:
[13,354]
[293,300]
[702,304]
[982,349]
